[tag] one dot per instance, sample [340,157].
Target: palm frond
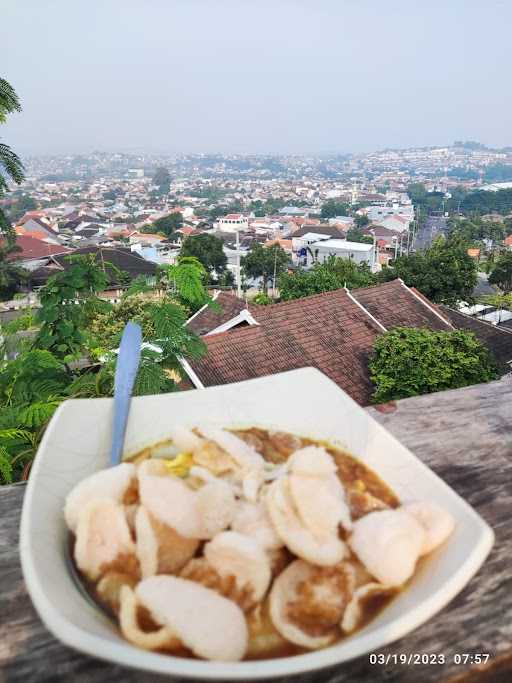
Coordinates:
[12,165]
[9,101]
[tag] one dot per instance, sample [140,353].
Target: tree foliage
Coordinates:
[167,225]
[11,273]
[333,273]
[501,274]
[11,167]
[357,235]
[20,206]
[411,361]
[162,180]
[483,202]
[263,262]
[332,208]
[207,249]
[68,301]
[75,324]
[476,229]
[444,272]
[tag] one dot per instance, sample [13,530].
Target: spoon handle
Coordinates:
[126,370]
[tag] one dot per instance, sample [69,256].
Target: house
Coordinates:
[395,222]
[334,332]
[359,252]
[233,222]
[35,225]
[385,237]
[114,260]
[284,244]
[307,235]
[34,252]
[379,212]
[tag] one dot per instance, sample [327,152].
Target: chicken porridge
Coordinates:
[231,544]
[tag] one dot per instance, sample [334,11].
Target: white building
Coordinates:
[359,252]
[233,222]
[379,212]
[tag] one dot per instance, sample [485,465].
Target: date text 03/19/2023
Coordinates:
[412,658]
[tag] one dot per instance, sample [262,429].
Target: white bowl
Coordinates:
[304,401]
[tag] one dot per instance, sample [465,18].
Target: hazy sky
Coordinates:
[269,76]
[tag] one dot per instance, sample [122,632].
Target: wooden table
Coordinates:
[466,437]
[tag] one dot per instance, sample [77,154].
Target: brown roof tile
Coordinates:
[327,331]
[396,305]
[207,319]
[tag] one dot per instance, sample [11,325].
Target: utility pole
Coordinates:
[238,278]
[275,269]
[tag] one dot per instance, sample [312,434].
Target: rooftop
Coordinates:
[345,245]
[334,332]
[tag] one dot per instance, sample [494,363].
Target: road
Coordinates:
[432,228]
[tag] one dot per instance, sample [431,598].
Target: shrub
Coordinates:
[411,361]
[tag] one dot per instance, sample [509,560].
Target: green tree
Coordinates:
[361,220]
[501,274]
[356,235]
[185,279]
[444,273]
[262,299]
[333,273]
[167,225]
[11,273]
[263,262]
[162,180]
[209,250]
[10,164]
[75,324]
[68,301]
[411,361]
[20,207]
[332,208]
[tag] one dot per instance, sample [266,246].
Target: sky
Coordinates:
[255,76]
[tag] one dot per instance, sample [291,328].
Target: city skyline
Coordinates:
[292,78]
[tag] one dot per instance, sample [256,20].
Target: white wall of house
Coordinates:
[233,224]
[318,252]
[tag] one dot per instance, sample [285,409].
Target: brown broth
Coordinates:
[275,447]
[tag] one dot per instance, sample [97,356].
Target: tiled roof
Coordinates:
[33,248]
[333,332]
[122,259]
[319,229]
[207,319]
[497,339]
[396,305]
[327,331]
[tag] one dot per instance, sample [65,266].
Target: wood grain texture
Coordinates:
[465,436]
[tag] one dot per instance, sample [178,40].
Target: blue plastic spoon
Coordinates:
[126,370]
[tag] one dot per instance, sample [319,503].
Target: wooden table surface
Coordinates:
[465,436]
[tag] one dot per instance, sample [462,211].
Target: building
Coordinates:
[35,252]
[233,222]
[379,212]
[359,252]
